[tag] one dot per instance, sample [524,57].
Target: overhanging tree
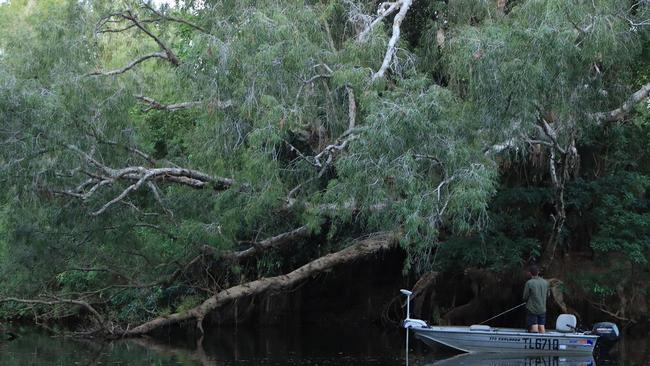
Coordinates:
[232,128]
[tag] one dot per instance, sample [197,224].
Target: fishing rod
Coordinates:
[507,311]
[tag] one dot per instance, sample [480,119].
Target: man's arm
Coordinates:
[526,291]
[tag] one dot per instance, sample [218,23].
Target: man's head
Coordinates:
[534,270]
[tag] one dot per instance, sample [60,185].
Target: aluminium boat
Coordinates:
[565,339]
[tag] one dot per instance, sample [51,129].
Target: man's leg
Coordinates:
[541,320]
[531,322]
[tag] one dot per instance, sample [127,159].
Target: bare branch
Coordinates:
[153,104]
[620,113]
[174,19]
[404,6]
[171,57]
[118,30]
[329,151]
[341,142]
[130,65]
[156,193]
[104,175]
[124,193]
[385,9]
[57,301]
[352,109]
[550,132]
[165,107]
[273,242]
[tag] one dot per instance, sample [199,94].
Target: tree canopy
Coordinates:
[153,156]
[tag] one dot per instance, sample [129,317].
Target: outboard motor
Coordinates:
[607,331]
[608,336]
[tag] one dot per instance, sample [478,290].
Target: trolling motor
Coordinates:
[408,322]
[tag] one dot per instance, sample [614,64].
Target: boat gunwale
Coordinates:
[496,331]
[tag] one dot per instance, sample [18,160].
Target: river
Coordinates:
[280,346]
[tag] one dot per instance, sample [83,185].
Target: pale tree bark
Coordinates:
[563,161]
[326,156]
[270,243]
[404,6]
[618,114]
[129,66]
[102,175]
[501,6]
[128,15]
[385,9]
[153,104]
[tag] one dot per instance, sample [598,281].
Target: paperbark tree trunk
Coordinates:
[366,247]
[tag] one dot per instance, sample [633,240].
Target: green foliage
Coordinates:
[273,80]
[618,207]
[427,165]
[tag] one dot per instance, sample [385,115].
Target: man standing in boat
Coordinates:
[535,294]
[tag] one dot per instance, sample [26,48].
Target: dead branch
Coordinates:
[57,301]
[342,141]
[621,112]
[171,57]
[330,150]
[130,65]
[369,246]
[127,15]
[255,249]
[311,80]
[153,104]
[404,6]
[102,175]
[270,243]
[173,19]
[165,107]
[352,109]
[119,30]
[385,9]
[617,315]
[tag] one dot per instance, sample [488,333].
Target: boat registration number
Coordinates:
[541,343]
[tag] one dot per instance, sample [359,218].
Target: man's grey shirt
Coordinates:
[535,293]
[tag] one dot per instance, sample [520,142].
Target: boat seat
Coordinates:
[566,323]
[476,327]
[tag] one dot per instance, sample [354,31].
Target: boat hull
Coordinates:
[507,340]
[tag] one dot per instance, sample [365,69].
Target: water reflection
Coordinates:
[284,346]
[489,359]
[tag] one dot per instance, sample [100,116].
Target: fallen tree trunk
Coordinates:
[368,246]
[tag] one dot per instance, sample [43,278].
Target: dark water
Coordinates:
[280,346]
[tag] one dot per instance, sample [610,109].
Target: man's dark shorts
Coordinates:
[532,319]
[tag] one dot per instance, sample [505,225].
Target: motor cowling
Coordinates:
[606,330]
